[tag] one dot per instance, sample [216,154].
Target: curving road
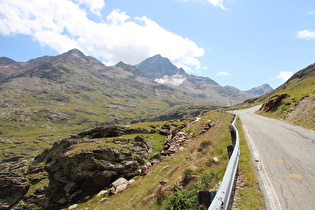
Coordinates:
[284,158]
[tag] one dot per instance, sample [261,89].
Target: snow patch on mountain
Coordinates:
[176,79]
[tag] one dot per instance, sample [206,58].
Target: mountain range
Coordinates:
[76,89]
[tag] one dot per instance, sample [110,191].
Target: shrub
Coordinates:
[203,145]
[187,177]
[181,200]
[208,180]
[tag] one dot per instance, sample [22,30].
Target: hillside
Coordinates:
[51,96]
[47,98]
[293,101]
[67,112]
[155,165]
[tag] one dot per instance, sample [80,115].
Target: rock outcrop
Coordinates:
[12,189]
[273,103]
[83,165]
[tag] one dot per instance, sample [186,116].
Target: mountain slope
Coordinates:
[48,98]
[254,92]
[294,100]
[157,67]
[163,71]
[258,91]
[78,80]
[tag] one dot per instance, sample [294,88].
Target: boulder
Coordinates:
[12,189]
[79,167]
[119,185]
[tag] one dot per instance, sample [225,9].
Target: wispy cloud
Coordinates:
[95,6]
[311,12]
[284,75]
[66,24]
[306,34]
[216,3]
[222,73]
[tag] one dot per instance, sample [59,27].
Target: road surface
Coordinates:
[284,158]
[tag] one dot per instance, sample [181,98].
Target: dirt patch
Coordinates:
[304,112]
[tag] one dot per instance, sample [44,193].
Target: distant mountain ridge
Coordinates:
[254,92]
[154,79]
[163,71]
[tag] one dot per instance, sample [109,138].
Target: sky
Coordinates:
[242,43]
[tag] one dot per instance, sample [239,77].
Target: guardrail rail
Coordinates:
[221,200]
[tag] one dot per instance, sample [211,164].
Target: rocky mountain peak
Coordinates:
[74,53]
[157,67]
[260,90]
[6,61]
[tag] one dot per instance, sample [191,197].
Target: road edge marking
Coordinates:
[271,195]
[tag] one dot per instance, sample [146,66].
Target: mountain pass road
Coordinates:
[284,158]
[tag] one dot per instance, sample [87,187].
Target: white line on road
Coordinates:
[271,195]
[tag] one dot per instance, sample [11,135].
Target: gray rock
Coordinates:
[12,189]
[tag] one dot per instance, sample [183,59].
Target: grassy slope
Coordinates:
[38,119]
[298,90]
[249,195]
[195,166]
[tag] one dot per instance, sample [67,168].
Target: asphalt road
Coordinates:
[284,158]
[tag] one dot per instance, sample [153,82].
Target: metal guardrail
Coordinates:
[223,195]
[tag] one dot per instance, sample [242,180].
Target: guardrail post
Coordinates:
[233,134]
[230,150]
[205,198]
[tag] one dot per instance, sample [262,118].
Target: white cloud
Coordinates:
[306,34]
[94,5]
[222,73]
[284,75]
[216,3]
[64,24]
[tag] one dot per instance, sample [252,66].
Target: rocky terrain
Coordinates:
[81,166]
[294,100]
[48,98]
[80,100]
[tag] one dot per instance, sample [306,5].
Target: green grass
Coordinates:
[250,195]
[147,193]
[297,90]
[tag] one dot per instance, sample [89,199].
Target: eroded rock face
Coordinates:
[79,167]
[12,189]
[113,131]
[273,103]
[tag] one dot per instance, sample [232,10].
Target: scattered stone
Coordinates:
[215,159]
[120,185]
[193,168]
[163,182]
[103,200]
[102,193]
[165,167]
[131,182]
[74,206]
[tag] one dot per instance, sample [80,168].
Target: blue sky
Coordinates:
[243,43]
